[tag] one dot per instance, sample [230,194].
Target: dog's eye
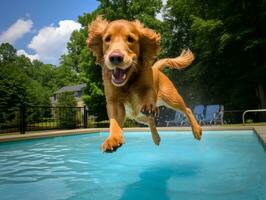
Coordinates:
[107,39]
[130,39]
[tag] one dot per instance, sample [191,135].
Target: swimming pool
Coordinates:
[224,165]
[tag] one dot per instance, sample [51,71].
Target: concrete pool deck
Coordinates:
[260,130]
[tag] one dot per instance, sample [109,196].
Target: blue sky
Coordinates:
[39,28]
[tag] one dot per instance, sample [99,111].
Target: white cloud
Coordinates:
[16,31]
[51,42]
[31,57]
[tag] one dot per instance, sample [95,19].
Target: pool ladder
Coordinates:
[256,110]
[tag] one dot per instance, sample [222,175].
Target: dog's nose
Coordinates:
[116,58]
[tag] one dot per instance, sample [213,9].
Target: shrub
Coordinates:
[67,113]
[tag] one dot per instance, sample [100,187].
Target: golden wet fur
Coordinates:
[134,85]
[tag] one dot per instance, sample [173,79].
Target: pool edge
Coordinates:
[261,134]
[259,130]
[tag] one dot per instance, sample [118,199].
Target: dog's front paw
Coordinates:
[112,143]
[150,110]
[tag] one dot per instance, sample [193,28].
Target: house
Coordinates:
[76,89]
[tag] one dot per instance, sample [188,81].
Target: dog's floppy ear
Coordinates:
[94,41]
[149,43]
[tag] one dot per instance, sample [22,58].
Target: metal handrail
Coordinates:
[256,110]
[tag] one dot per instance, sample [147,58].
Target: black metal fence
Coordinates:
[32,118]
[10,119]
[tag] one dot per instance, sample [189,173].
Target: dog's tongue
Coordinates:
[119,75]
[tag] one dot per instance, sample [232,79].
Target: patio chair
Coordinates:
[198,112]
[220,117]
[179,119]
[212,113]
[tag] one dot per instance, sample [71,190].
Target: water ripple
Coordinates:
[74,168]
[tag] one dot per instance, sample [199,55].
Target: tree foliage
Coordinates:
[67,114]
[23,82]
[228,38]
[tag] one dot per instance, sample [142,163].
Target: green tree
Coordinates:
[67,113]
[7,53]
[30,83]
[228,39]
[13,86]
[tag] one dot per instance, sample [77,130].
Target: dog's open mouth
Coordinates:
[119,76]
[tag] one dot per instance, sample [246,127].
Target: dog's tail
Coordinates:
[180,62]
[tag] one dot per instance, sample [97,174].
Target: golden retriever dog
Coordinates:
[134,86]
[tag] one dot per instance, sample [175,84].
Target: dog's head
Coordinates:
[122,46]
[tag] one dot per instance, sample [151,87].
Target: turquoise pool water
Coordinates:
[223,166]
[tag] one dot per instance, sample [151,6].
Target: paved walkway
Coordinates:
[260,130]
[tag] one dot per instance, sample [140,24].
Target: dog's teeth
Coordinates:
[124,77]
[113,77]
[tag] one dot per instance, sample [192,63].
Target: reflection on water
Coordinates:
[153,182]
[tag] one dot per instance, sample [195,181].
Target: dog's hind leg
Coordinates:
[151,123]
[170,96]
[155,136]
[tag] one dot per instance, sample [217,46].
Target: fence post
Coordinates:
[85,117]
[22,119]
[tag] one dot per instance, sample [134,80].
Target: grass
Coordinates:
[43,124]
[246,124]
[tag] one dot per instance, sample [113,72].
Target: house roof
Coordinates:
[73,88]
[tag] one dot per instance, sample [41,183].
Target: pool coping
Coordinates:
[261,133]
[259,130]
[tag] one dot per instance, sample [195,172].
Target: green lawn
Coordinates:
[246,124]
[43,124]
